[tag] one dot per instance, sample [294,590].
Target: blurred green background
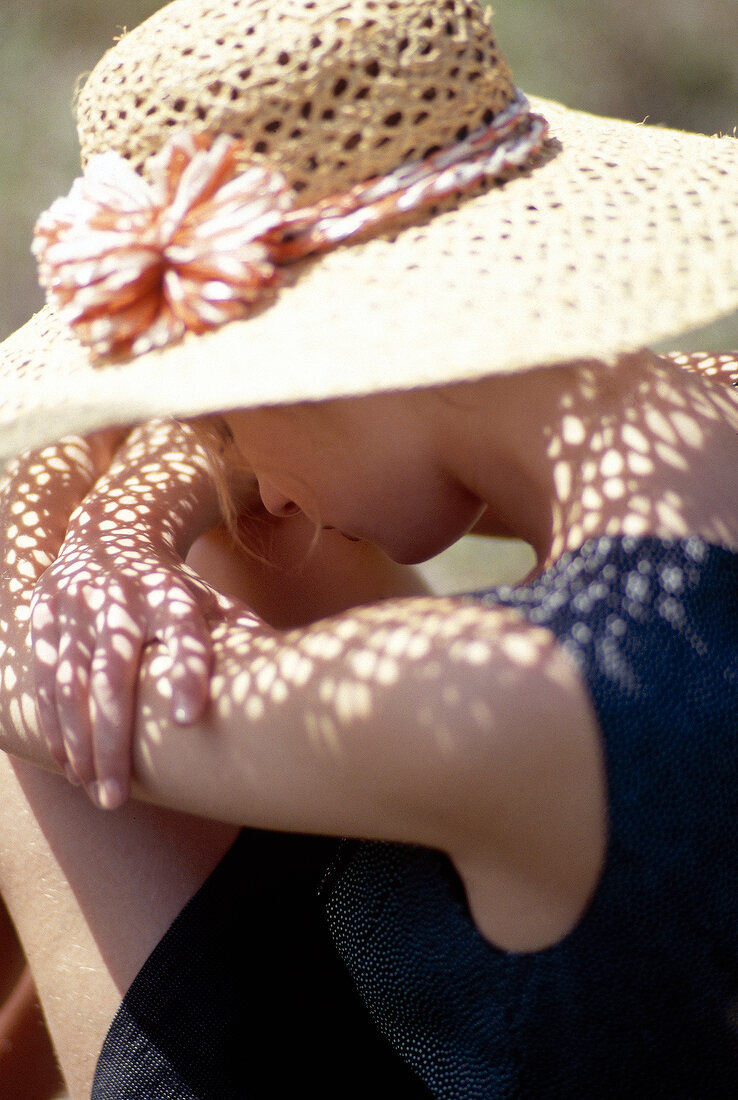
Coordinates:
[673,61]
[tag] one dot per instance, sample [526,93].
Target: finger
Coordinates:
[113,682]
[189,647]
[73,707]
[106,637]
[45,656]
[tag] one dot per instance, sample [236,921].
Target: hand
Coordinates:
[93,613]
[118,584]
[38,492]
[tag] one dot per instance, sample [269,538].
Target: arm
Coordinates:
[119,583]
[422,720]
[38,493]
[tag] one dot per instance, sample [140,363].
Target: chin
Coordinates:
[418,550]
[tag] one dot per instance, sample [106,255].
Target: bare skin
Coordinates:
[27,1062]
[581,471]
[420,719]
[85,935]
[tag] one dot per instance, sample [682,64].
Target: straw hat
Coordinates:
[502,247]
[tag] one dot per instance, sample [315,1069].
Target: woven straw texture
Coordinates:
[621,236]
[329,93]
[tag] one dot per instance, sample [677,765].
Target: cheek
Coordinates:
[265,449]
[262,435]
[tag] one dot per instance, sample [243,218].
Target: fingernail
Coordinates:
[71,776]
[108,794]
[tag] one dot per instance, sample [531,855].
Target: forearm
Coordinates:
[303,732]
[118,586]
[390,721]
[159,490]
[149,487]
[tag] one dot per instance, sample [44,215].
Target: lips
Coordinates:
[351,538]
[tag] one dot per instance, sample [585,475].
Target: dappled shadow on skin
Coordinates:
[640,472]
[721,366]
[112,593]
[119,585]
[333,678]
[298,711]
[39,492]
[325,690]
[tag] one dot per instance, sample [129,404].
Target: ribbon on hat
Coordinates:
[133,264]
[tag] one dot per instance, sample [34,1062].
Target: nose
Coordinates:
[275,502]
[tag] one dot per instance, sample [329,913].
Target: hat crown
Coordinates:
[327,92]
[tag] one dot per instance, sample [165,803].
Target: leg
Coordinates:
[27,1061]
[28,1064]
[91,894]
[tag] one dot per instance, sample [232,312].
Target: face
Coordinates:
[370,467]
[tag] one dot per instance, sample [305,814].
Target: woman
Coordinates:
[544,773]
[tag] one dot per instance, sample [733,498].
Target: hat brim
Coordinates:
[624,236]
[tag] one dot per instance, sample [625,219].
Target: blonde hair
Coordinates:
[241,509]
[215,438]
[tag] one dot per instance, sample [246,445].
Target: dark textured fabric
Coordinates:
[245,996]
[641,998]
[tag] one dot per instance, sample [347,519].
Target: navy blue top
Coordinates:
[641,998]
